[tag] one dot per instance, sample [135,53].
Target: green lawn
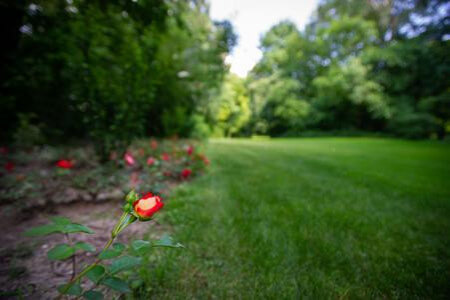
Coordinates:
[319,217]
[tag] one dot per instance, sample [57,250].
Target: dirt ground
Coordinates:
[24,267]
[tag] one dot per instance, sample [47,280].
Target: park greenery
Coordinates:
[358,65]
[99,98]
[313,218]
[110,71]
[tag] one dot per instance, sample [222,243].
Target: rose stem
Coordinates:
[88,268]
[74,262]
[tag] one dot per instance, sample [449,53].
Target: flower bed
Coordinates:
[51,175]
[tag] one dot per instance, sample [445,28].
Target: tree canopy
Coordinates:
[358,65]
[109,71]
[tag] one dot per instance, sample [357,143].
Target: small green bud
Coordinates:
[127,207]
[131,197]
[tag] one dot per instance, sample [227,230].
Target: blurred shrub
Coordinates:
[200,129]
[27,134]
[413,125]
[111,71]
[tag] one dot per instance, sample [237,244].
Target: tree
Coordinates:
[346,98]
[231,109]
[112,70]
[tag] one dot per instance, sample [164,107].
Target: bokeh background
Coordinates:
[114,70]
[316,165]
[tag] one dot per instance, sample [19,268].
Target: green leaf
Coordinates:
[73,227]
[131,197]
[123,263]
[109,253]
[84,246]
[116,284]
[167,241]
[60,220]
[116,250]
[44,230]
[136,283]
[60,252]
[93,295]
[96,273]
[60,225]
[74,289]
[119,246]
[141,246]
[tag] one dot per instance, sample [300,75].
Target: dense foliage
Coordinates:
[358,65]
[110,70]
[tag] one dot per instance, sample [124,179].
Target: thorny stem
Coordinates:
[117,228]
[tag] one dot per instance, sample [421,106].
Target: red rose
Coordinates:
[64,163]
[129,159]
[189,150]
[165,156]
[186,173]
[147,206]
[9,166]
[150,161]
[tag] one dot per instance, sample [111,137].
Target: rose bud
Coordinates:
[186,173]
[165,156]
[189,150]
[131,197]
[150,161]
[147,206]
[64,164]
[9,166]
[129,159]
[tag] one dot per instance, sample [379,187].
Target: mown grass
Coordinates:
[319,218]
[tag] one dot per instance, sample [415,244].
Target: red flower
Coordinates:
[189,150]
[165,156]
[147,206]
[150,161]
[129,159]
[64,164]
[186,173]
[154,144]
[9,166]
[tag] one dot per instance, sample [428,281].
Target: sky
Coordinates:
[252,18]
